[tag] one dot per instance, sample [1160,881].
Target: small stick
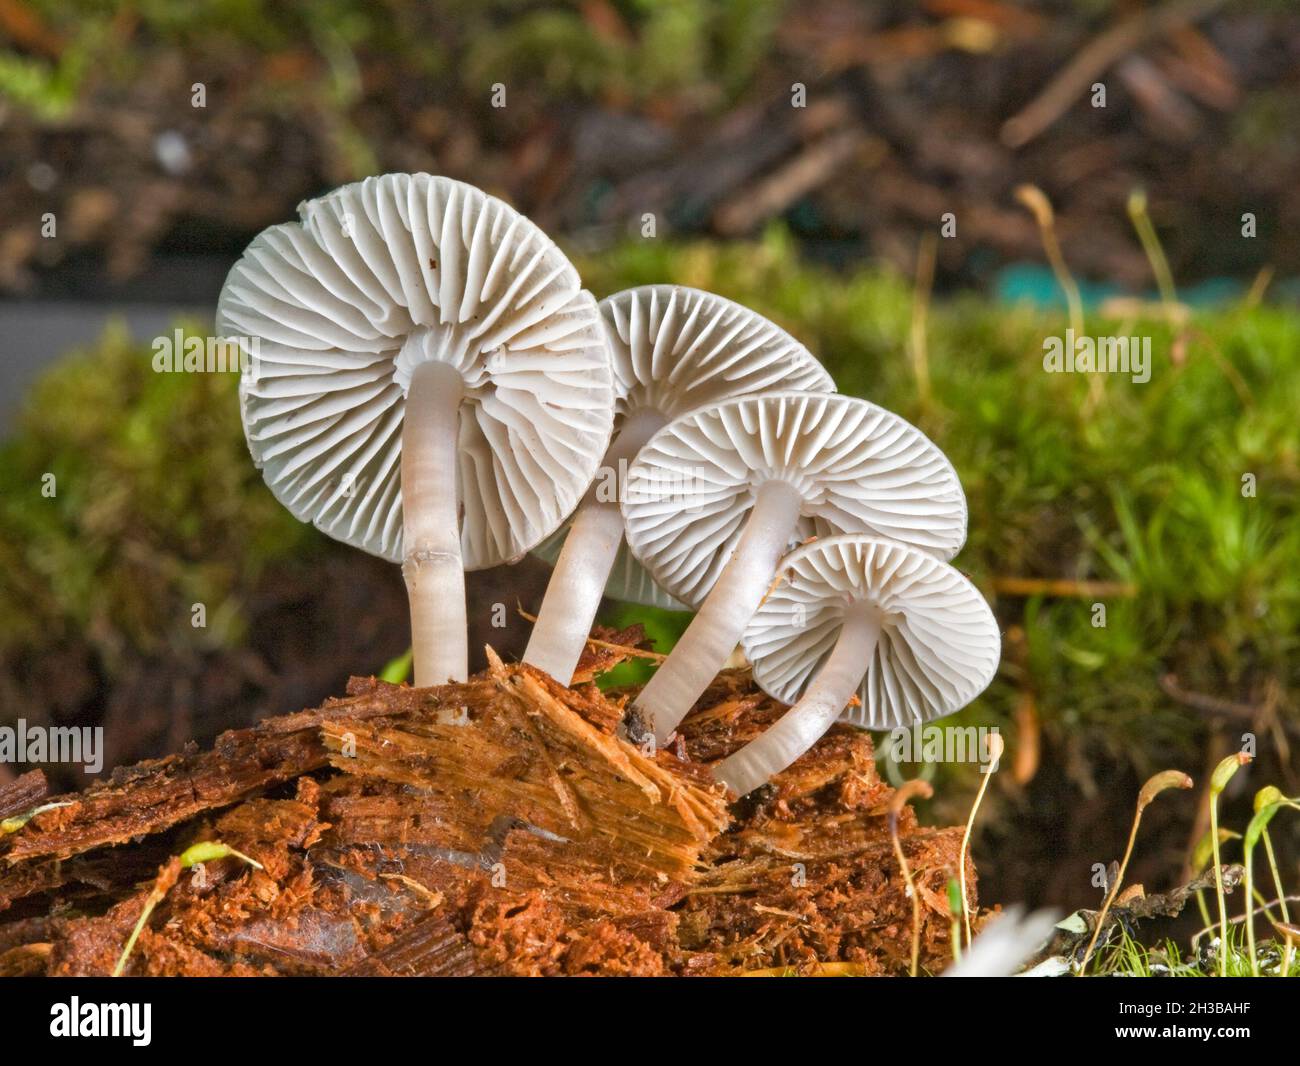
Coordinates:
[1062,587]
[435,898]
[634,653]
[1092,60]
[1206,703]
[917,347]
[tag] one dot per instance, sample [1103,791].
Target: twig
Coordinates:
[627,649]
[1216,707]
[1239,919]
[435,898]
[1042,586]
[800,176]
[917,346]
[1092,60]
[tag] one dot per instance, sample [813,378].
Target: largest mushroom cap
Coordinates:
[856,467]
[378,277]
[673,349]
[938,646]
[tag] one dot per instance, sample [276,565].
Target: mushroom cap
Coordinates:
[858,468]
[377,277]
[673,349]
[939,643]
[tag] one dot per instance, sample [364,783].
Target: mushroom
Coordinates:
[907,632]
[715,499]
[430,385]
[673,349]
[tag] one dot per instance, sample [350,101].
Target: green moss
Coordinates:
[156,506]
[697,49]
[1129,958]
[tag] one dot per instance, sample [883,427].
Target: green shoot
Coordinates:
[1223,773]
[398,670]
[1268,801]
[17,821]
[956,910]
[203,851]
[1155,785]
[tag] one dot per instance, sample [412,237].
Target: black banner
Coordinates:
[696,1015]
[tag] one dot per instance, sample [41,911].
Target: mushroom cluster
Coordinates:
[431,384]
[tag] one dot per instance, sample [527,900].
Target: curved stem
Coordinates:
[1249,917]
[578,581]
[1281,898]
[716,630]
[431,558]
[1218,884]
[805,723]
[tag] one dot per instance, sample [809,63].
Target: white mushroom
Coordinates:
[430,384]
[907,632]
[717,497]
[673,349]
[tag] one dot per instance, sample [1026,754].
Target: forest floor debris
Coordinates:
[502,826]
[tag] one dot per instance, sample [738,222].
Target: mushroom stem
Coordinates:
[716,629]
[431,555]
[805,723]
[574,592]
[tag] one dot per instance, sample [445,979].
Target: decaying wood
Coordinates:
[502,826]
[22,793]
[524,752]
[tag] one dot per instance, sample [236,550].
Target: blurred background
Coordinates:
[921,192]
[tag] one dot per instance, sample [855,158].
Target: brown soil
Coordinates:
[496,827]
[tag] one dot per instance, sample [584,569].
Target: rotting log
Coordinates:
[502,826]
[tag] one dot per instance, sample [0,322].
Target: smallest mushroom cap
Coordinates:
[939,643]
